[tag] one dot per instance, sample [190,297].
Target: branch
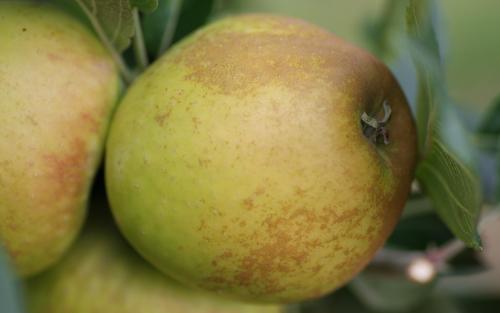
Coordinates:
[423,266]
[139,47]
[126,73]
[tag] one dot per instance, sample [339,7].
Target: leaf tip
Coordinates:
[476,243]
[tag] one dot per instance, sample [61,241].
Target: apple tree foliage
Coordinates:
[450,180]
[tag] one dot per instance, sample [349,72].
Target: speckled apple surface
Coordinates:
[237,162]
[102,274]
[57,90]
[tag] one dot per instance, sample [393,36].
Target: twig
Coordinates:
[399,261]
[139,47]
[168,33]
[448,251]
[126,73]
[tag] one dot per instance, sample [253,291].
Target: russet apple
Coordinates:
[263,158]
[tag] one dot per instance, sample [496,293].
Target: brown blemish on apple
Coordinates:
[225,255]
[202,225]
[54,57]
[287,248]
[91,121]
[248,203]
[161,118]
[67,170]
[259,191]
[204,162]
[316,269]
[299,191]
[196,122]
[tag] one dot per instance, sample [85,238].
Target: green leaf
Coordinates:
[160,24]
[146,6]
[111,19]
[10,296]
[454,189]
[445,170]
[490,123]
[383,31]
[193,14]
[440,304]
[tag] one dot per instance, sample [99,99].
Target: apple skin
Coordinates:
[237,162]
[101,273]
[58,87]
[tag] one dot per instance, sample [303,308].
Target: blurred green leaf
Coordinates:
[489,171]
[481,305]
[72,8]
[112,19]
[490,123]
[146,6]
[445,170]
[193,14]
[419,232]
[404,70]
[439,304]
[160,24]
[10,295]
[487,142]
[454,190]
[389,292]
[383,31]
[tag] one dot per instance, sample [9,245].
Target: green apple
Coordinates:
[242,161]
[57,89]
[102,274]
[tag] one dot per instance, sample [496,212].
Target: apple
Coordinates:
[102,274]
[263,158]
[58,87]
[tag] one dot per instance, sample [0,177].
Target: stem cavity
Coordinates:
[375,130]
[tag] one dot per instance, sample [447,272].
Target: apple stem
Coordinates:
[374,129]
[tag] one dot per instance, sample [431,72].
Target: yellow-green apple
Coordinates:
[263,158]
[57,89]
[102,274]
